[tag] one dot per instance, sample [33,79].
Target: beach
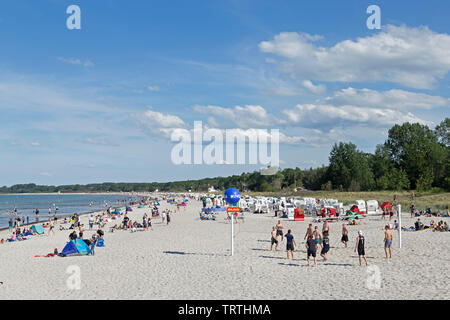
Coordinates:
[190,259]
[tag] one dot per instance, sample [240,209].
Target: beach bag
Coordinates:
[100,242]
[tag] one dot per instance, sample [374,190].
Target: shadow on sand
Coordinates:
[194,253]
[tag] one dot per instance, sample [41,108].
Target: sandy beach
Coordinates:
[190,259]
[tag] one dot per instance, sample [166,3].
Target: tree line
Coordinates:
[413,157]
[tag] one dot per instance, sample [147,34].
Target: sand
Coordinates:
[190,259]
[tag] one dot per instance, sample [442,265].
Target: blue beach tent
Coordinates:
[39,229]
[72,249]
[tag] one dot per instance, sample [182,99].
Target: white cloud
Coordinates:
[35,144]
[285,91]
[327,116]
[248,116]
[159,119]
[161,124]
[317,89]
[76,61]
[393,99]
[99,141]
[153,88]
[413,57]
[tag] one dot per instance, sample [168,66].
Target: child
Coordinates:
[325,246]
[93,243]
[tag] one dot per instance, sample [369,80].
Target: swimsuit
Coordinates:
[387,243]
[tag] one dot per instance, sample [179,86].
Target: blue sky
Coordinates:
[96,104]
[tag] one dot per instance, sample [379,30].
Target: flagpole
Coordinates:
[232,234]
[399,212]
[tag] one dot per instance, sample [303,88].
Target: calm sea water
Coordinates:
[66,203]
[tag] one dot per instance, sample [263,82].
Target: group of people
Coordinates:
[316,239]
[441,226]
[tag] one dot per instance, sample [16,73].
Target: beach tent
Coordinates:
[183,204]
[39,229]
[72,249]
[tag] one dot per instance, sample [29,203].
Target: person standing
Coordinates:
[309,231]
[317,235]
[325,227]
[290,244]
[360,243]
[344,238]
[163,216]
[274,240]
[91,222]
[279,228]
[325,246]
[145,222]
[388,242]
[50,226]
[168,218]
[311,249]
[93,243]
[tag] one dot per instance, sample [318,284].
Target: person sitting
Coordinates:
[100,232]
[440,226]
[419,225]
[432,224]
[13,237]
[73,236]
[445,227]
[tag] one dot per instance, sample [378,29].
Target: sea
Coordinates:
[67,204]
